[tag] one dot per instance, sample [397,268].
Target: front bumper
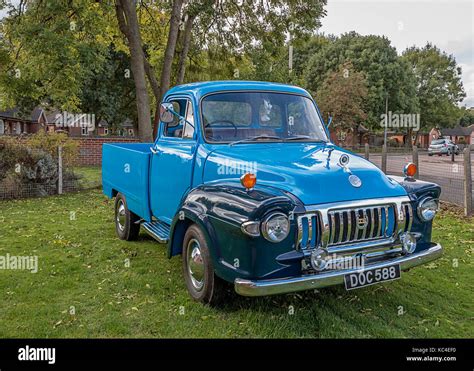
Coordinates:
[438,151]
[315,281]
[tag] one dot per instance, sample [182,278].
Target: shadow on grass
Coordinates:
[229,301]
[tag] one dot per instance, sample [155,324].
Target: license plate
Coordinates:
[371,276]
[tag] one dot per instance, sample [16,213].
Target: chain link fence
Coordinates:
[31,172]
[447,171]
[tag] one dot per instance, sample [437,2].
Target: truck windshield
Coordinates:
[260,116]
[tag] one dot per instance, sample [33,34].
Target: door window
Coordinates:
[189,124]
[179,128]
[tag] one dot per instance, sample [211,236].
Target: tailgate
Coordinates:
[125,169]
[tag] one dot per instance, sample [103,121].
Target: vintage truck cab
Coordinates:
[244,183]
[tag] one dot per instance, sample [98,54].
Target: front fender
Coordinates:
[220,208]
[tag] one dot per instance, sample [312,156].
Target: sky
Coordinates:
[447,24]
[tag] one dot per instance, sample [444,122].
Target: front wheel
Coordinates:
[126,222]
[202,283]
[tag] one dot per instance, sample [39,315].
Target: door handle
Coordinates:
[154,151]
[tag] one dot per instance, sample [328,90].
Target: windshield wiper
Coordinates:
[257,137]
[298,137]
[302,137]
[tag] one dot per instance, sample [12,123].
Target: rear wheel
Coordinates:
[202,283]
[127,223]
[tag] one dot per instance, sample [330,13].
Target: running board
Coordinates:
[158,230]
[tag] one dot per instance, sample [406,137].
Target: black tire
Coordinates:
[430,154]
[203,286]
[126,222]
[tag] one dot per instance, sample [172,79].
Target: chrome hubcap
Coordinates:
[121,215]
[195,264]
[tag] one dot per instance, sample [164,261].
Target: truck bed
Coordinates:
[125,168]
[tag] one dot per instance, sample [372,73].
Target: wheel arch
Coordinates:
[179,226]
[220,208]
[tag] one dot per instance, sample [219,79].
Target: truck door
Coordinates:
[172,163]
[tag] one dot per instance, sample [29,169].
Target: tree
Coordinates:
[108,94]
[52,48]
[235,27]
[128,23]
[342,95]
[386,74]
[466,116]
[439,87]
[65,44]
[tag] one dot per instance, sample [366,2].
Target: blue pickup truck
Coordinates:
[244,183]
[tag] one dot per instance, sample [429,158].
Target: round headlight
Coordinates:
[276,227]
[427,209]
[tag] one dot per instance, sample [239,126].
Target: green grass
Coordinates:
[89,176]
[82,266]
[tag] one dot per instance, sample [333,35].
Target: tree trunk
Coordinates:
[408,141]
[184,52]
[155,86]
[355,136]
[128,23]
[168,59]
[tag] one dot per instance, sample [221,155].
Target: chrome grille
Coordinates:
[335,225]
[309,230]
[354,225]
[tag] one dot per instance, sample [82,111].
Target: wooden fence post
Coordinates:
[60,170]
[367,150]
[467,182]
[415,161]
[384,158]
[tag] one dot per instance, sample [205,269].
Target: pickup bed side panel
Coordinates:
[125,169]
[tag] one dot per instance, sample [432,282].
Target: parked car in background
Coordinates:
[244,183]
[443,147]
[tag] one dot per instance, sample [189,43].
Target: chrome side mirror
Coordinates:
[166,113]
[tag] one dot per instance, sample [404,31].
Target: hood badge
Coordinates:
[355,181]
[344,160]
[362,222]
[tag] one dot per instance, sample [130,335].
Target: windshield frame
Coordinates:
[203,131]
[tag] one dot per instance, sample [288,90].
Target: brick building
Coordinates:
[14,122]
[460,134]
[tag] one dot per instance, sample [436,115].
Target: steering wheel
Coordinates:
[209,124]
